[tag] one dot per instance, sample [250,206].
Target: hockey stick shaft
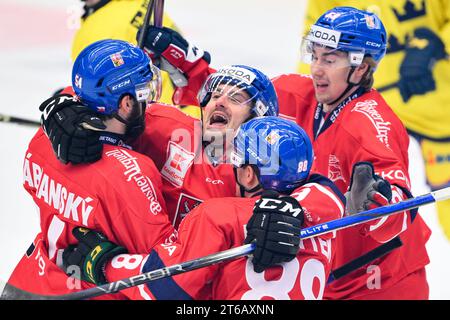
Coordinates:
[314,231]
[159,10]
[376,213]
[17,120]
[145,23]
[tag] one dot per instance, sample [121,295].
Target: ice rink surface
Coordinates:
[35,41]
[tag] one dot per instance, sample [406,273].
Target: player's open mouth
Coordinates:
[321,86]
[218,119]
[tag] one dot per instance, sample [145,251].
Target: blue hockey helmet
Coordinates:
[280,149]
[107,70]
[238,78]
[358,32]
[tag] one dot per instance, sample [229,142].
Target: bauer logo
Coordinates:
[242,74]
[326,37]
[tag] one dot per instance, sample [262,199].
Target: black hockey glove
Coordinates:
[416,70]
[275,225]
[89,257]
[72,128]
[172,53]
[367,190]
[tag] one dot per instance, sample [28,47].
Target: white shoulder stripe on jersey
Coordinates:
[328,193]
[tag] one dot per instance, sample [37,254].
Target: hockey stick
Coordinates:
[159,9]
[10,292]
[16,120]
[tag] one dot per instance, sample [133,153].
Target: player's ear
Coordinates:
[252,176]
[126,105]
[362,68]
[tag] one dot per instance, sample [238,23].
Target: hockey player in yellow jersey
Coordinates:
[414,76]
[120,19]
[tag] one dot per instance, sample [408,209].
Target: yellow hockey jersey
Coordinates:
[427,115]
[119,19]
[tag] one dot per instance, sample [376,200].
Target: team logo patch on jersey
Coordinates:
[177,164]
[186,204]
[117,59]
[334,169]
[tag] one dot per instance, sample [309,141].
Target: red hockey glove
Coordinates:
[367,190]
[172,53]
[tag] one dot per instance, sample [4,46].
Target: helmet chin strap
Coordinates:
[350,85]
[136,125]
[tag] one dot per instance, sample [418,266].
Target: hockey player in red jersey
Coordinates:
[119,195]
[348,122]
[272,156]
[188,152]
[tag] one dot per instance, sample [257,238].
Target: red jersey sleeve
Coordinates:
[294,103]
[196,77]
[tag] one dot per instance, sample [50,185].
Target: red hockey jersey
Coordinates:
[119,195]
[173,140]
[219,224]
[365,130]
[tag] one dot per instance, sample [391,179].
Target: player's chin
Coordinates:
[214,134]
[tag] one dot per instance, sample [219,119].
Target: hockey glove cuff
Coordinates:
[90,255]
[177,56]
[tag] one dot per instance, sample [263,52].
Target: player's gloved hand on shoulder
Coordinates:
[172,53]
[275,225]
[416,70]
[72,128]
[367,190]
[88,258]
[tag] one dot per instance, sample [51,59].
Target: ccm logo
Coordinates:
[267,203]
[214,181]
[120,85]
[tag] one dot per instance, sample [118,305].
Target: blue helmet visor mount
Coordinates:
[149,91]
